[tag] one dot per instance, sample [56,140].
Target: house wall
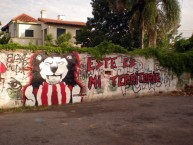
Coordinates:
[30,79]
[27,41]
[12,30]
[52,29]
[36,28]
[17,32]
[43,27]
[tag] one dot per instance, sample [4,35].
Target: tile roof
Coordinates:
[24,18]
[61,22]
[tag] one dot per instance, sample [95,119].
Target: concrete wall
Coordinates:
[35,28]
[30,79]
[27,41]
[17,33]
[12,30]
[52,29]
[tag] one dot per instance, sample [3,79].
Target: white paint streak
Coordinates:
[39,95]
[49,94]
[59,94]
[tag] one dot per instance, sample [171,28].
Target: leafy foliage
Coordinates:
[4,38]
[184,45]
[131,23]
[154,16]
[49,40]
[105,48]
[64,40]
[108,25]
[175,61]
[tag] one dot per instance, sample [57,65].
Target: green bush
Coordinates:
[105,48]
[4,38]
[184,44]
[177,62]
[49,40]
[64,40]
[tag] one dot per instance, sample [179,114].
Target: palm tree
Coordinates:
[155,16]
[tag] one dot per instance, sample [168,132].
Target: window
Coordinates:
[45,34]
[29,33]
[60,31]
[78,32]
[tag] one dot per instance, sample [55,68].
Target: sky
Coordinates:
[186,18]
[76,10]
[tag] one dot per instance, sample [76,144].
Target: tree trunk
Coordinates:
[154,38]
[142,34]
[149,38]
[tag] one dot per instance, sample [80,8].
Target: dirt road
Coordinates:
[160,120]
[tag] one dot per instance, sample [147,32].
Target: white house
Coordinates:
[25,29]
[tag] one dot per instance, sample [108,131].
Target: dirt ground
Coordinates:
[155,120]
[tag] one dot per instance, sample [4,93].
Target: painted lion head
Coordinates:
[54,68]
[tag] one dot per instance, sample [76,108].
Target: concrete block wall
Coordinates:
[31,79]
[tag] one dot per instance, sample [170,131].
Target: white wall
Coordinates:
[52,29]
[115,76]
[119,69]
[36,28]
[17,32]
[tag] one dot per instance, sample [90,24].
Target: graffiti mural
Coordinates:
[14,89]
[120,73]
[41,79]
[18,63]
[53,80]
[2,70]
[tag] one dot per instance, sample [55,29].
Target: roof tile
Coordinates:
[62,22]
[25,18]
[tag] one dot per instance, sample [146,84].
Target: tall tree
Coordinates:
[4,38]
[154,15]
[108,25]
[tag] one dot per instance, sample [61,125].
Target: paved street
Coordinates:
[163,120]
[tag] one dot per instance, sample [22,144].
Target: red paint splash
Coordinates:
[2,68]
